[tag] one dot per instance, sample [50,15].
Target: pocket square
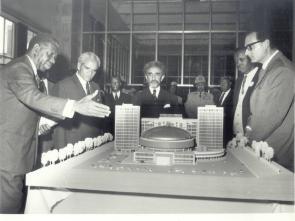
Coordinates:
[167,106]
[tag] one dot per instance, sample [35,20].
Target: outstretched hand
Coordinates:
[86,106]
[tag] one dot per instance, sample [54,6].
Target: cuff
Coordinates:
[68,110]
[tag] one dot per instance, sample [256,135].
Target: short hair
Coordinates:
[262,35]
[157,64]
[116,77]
[88,55]
[229,79]
[43,39]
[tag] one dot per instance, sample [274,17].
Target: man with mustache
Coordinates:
[154,100]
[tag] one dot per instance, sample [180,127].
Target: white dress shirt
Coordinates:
[238,117]
[157,91]
[83,82]
[265,64]
[118,94]
[225,95]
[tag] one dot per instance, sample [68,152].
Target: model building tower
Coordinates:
[127,127]
[210,127]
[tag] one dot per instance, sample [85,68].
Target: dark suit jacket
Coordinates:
[110,101]
[228,116]
[20,101]
[153,108]
[246,101]
[45,141]
[80,127]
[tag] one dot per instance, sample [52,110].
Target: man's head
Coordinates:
[154,72]
[116,84]
[225,83]
[258,46]
[43,50]
[242,61]
[200,83]
[88,63]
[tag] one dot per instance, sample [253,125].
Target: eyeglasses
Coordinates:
[250,46]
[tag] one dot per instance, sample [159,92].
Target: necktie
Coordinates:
[243,83]
[154,94]
[221,97]
[42,86]
[116,97]
[88,88]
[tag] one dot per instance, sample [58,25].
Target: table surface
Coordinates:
[234,177]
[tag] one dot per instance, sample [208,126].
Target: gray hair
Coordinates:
[88,55]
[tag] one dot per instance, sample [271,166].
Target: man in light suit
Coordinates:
[272,100]
[21,104]
[154,100]
[75,87]
[116,97]
[244,86]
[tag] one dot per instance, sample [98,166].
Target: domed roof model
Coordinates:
[167,138]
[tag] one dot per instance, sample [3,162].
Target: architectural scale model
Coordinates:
[175,120]
[210,128]
[127,127]
[165,161]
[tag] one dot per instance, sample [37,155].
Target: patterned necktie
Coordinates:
[88,88]
[154,94]
[41,86]
[243,83]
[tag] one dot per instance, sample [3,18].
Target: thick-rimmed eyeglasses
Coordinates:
[250,46]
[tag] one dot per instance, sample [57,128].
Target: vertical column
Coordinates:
[62,24]
[293,57]
[76,44]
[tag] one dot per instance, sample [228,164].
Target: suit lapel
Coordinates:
[79,86]
[263,73]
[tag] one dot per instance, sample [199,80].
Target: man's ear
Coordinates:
[162,77]
[35,50]
[78,66]
[266,43]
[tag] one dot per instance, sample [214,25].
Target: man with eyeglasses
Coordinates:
[154,100]
[272,100]
[76,86]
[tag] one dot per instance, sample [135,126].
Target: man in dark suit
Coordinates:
[21,104]
[154,100]
[226,101]
[116,97]
[272,100]
[75,87]
[245,83]
[45,141]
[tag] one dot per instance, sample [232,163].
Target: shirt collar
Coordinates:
[33,65]
[265,64]
[83,82]
[157,90]
[118,94]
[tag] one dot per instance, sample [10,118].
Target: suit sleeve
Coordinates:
[276,105]
[23,85]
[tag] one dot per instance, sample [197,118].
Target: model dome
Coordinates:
[166,137]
